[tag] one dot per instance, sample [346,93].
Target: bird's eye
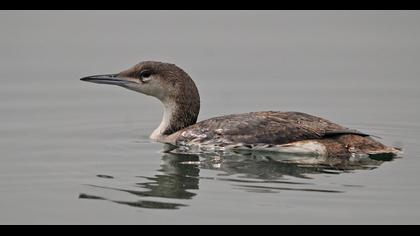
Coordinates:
[145,75]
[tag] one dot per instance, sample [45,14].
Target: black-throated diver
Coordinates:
[289,132]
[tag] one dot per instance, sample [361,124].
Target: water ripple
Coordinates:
[179,177]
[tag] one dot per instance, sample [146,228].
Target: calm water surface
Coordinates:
[79,153]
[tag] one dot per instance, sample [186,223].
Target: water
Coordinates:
[79,153]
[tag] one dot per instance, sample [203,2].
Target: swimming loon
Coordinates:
[289,132]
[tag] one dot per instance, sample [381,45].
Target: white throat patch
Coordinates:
[168,110]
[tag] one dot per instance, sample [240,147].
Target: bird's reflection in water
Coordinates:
[179,176]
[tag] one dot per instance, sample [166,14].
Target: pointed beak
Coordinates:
[113,79]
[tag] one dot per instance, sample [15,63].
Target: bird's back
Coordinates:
[283,131]
[269,127]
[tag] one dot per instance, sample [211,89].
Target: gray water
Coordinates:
[78,153]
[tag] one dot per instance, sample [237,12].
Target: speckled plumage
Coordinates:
[276,129]
[268,127]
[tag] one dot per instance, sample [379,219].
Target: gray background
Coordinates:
[358,68]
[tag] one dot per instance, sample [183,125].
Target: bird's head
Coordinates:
[164,81]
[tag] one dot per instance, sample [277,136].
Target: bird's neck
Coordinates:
[177,115]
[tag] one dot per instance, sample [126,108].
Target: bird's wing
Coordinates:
[263,127]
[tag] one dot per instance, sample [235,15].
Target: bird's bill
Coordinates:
[113,79]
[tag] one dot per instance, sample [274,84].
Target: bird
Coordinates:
[284,132]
